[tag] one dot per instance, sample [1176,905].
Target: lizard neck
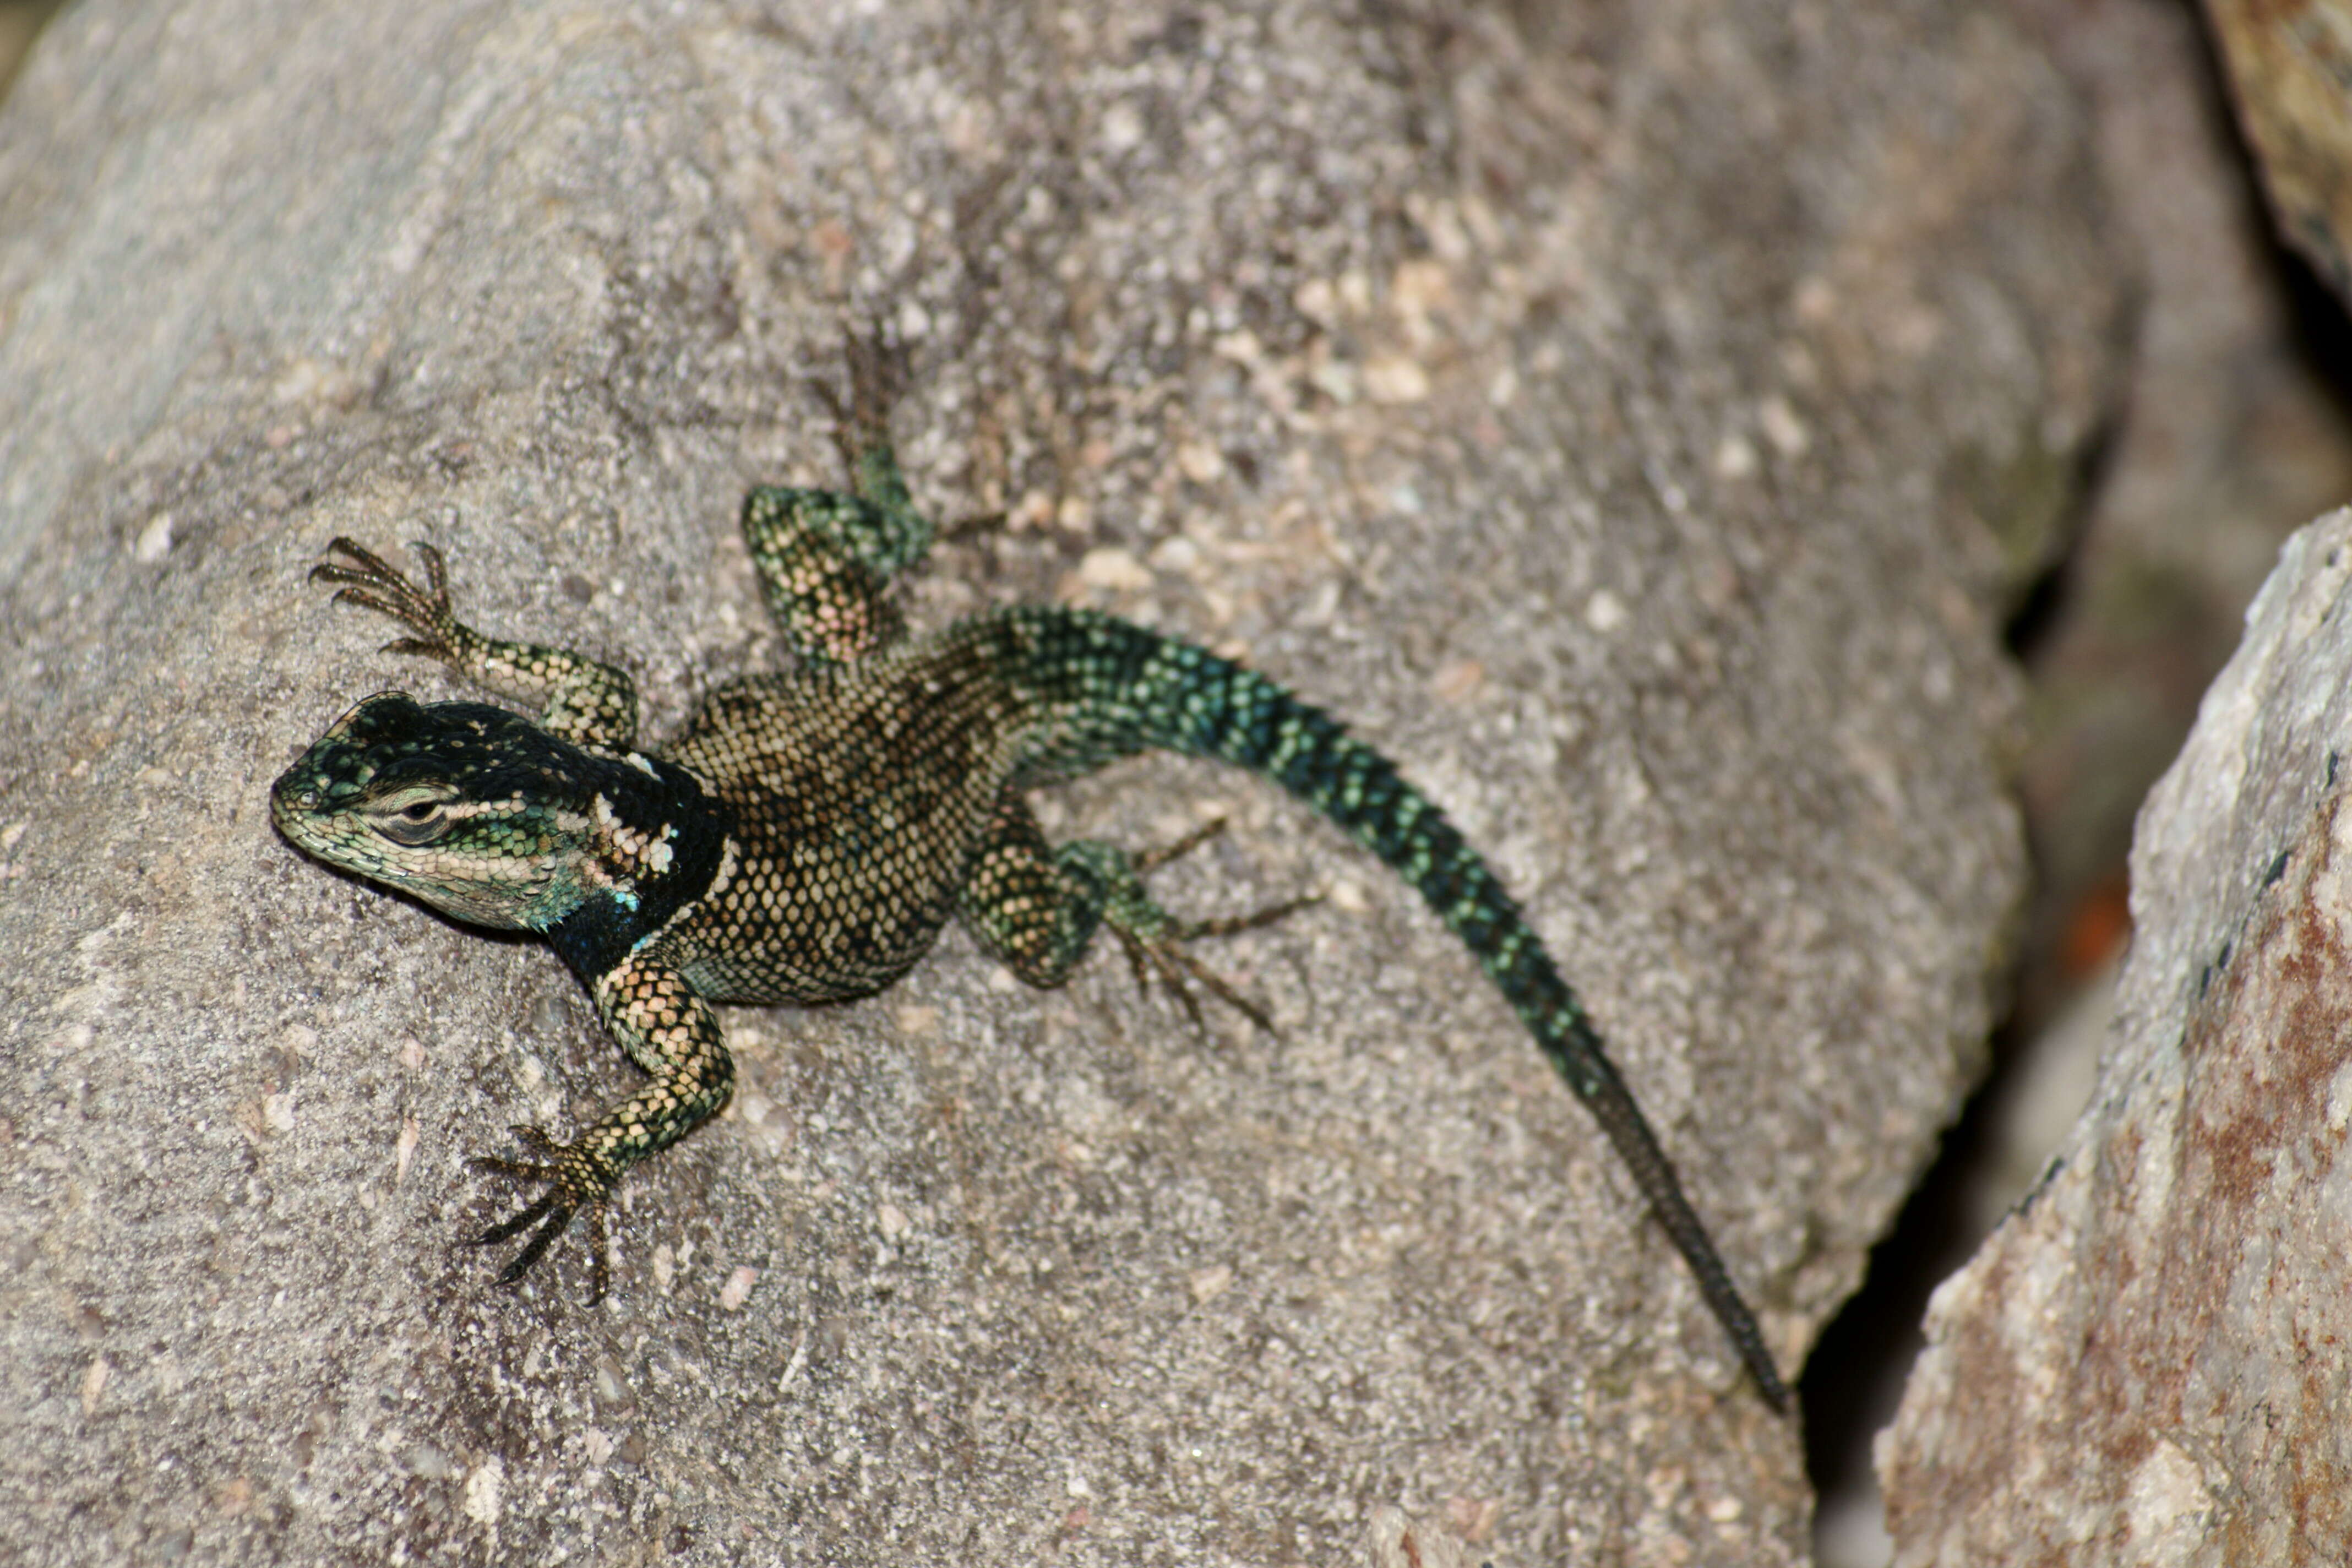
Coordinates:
[656,840]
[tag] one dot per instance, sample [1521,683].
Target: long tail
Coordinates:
[1109,689]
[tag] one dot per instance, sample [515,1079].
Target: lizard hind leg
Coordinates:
[1036,908]
[877,367]
[877,363]
[1155,939]
[827,558]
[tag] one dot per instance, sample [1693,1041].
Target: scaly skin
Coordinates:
[805,837]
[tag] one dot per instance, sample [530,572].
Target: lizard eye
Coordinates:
[419,821]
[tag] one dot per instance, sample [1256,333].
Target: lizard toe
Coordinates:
[575,1181]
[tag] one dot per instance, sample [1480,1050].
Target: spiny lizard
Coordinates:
[807,836]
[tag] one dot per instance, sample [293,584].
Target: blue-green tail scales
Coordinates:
[1110,689]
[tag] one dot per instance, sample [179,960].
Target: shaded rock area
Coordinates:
[2149,1363]
[2288,62]
[20,23]
[1637,421]
[2234,432]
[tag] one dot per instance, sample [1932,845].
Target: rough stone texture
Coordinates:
[2235,433]
[2150,1360]
[1637,419]
[2288,62]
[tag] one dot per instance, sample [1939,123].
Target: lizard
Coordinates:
[807,836]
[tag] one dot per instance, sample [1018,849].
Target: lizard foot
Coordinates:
[877,362]
[373,582]
[1154,939]
[575,1181]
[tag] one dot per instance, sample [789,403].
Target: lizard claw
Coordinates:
[371,581]
[575,1181]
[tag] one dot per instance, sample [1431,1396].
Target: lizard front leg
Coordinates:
[672,1034]
[588,703]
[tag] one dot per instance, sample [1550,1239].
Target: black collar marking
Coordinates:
[597,935]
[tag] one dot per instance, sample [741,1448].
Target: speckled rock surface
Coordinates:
[2149,1363]
[1634,419]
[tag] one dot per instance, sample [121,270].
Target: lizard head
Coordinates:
[477,811]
